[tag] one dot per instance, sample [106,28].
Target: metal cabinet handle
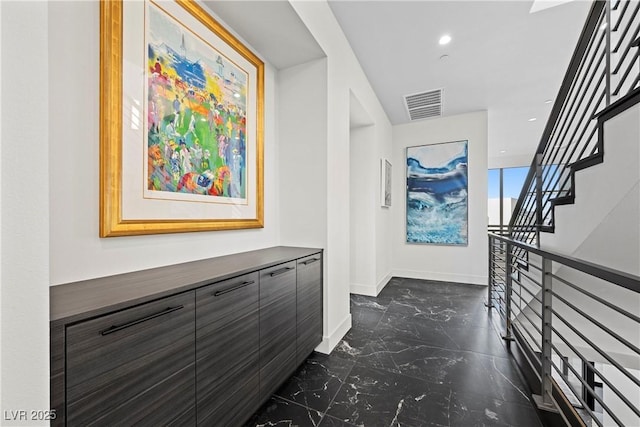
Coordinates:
[282,270]
[116,328]
[310,261]
[233,288]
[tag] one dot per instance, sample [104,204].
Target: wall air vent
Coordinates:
[424,105]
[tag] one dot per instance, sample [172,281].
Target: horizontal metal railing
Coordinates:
[499,229]
[580,320]
[604,67]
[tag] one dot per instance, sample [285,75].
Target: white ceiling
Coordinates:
[272,28]
[502,58]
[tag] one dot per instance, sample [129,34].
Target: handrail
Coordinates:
[599,83]
[578,54]
[565,321]
[627,101]
[620,278]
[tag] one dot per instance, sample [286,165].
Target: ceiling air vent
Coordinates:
[424,105]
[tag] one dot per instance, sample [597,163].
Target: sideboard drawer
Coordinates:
[309,305]
[277,326]
[227,350]
[132,365]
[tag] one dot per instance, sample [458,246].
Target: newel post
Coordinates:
[489,302]
[538,196]
[545,401]
[508,278]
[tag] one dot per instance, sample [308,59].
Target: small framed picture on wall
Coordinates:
[385,183]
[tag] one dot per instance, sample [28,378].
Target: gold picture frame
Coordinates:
[139,196]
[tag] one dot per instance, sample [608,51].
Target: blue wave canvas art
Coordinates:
[437,199]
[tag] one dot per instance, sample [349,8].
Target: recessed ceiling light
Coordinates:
[445,39]
[533,119]
[548,101]
[237,95]
[503,151]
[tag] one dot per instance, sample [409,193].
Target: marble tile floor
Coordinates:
[420,354]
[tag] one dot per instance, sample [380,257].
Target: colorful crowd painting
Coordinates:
[196,114]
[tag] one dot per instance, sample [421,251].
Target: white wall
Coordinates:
[508,204]
[76,250]
[1,226]
[363,171]
[467,264]
[344,77]
[507,161]
[24,314]
[302,153]
[50,119]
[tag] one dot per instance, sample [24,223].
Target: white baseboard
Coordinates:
[359,289]
[442,277]
[329,342]
[382,283]
[368,290]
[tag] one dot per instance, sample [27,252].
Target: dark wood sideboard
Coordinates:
[198,343]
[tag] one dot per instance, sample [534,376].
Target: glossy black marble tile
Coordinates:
[373,397]
[428,329]
[432,287]
[353,343]
[317,381]
[279,412]
[376,354]
[365,318]
[462,370]
[464,410]
[422,353]
[329,421]
[372,303]
[482,410]
[443,334]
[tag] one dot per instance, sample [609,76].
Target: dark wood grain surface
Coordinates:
[147,368]
[309,306]
[309,336]
[171,403]
[57,386]
[277,326]
[227,350]
[274,373]
[120,376]
[88,298]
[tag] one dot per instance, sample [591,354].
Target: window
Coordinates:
[511,180]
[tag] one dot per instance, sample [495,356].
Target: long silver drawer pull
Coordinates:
[282,270]
[115,328]
[310,261]
[233,288]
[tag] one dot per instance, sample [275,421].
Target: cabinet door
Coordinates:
[309,305]
[277,326]
[227,351]
[136,366]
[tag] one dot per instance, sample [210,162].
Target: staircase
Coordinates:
[600,83]
[575,320]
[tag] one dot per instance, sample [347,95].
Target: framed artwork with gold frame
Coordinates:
[181,122]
